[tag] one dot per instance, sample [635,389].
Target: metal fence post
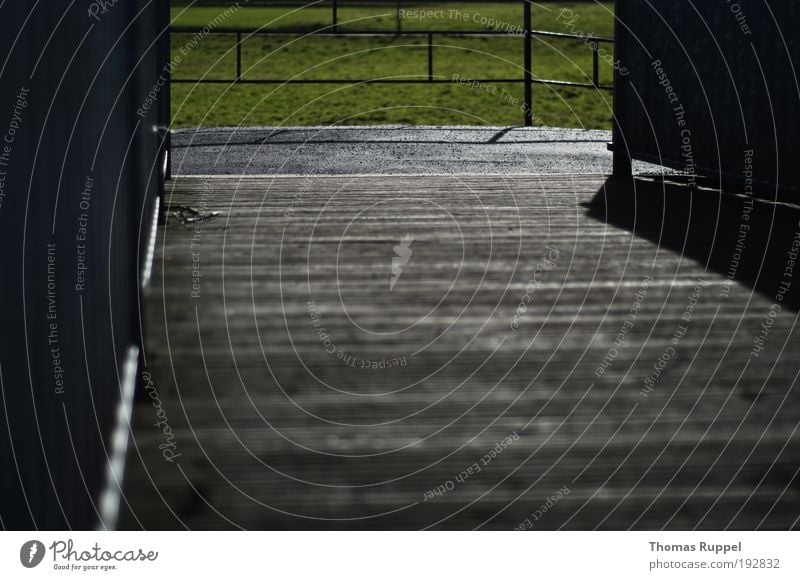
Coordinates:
[334,16]
[528,63]
[399,18]
[430,56]
[238,56]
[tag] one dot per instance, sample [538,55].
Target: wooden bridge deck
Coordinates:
[290,387]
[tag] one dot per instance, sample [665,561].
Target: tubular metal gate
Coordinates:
[335,29]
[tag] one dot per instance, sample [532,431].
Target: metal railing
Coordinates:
[526,33]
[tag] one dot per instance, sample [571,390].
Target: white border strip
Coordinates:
[352,175]
[395,127]
[112,490]
[151,245]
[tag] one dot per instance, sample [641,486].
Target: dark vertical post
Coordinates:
[165,112]
[399,17]
[430,56]
[595,64]
[622,159]
[238,56]
[334,16]
[528,63]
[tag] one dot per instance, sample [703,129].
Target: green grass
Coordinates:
[359,58]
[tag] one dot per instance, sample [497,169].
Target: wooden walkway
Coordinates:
[555,352]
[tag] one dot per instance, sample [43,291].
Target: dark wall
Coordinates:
[725,97]
[81,174]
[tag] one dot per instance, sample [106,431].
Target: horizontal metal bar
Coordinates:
[330,33]
[383,81]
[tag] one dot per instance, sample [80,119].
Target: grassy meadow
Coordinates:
[320,57]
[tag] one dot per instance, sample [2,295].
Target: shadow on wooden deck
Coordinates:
[462,352]
[747,240]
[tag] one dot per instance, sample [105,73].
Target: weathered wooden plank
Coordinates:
[273,430]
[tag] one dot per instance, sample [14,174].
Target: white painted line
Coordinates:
[354,175]
[111,494]
[151,245]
